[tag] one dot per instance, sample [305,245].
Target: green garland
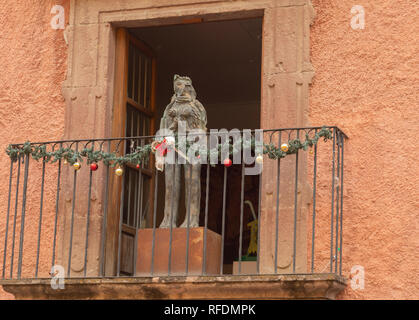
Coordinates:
[142,153]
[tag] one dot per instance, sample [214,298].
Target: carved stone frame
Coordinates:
[89,90]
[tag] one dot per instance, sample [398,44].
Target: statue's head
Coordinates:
[184,91]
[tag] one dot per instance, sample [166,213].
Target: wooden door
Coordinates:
[130,205]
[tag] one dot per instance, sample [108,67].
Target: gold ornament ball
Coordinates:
[259,159]
[76,166]
[119,171]
[284,147]
[65,161]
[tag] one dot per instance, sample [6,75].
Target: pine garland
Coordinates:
[142,153]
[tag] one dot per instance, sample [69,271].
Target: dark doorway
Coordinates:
[223,59]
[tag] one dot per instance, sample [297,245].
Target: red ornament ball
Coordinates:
[138,166]
[228,162]
[94,166]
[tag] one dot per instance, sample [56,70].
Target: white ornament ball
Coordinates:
[259,159]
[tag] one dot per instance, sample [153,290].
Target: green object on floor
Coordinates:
[249,258]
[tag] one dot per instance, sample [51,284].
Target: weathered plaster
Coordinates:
[364,82]
[33,62]
[215,288]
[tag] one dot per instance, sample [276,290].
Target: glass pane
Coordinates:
[146,201]
[132,196]
[128,128]
[136,76]
[145,84]
[148,83]
[125,203]
[140,78]
[131,200]
[141,84]
[130,70]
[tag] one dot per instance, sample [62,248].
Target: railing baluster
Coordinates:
[129,199]
[223,221]
[341,207]
[337,203]
[57,199]
[313,237]
[22,222]
[40,217]
[138,218]
[72,217]
[136,198]
[104,219]
[204,260]
[172,205]
[294,256]
[333,203]
[188,217]
[86,245]
[15,216]
[153,244]
[278,181]
[7,220]
[121,213]
[241,218]
[259,210]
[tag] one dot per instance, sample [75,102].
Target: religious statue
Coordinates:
[185,108]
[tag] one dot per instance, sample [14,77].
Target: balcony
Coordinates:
[85,218]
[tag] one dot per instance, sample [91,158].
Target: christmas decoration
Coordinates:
[284,147]
[119,171]
[94,166]
[142,153]
[160,147]
[137,166]
[76,165]
[259,159]
[227,162]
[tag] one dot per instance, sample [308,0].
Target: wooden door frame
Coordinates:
[118,127]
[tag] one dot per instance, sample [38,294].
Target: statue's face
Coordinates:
[183,89]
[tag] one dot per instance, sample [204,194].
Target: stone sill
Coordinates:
[295,286]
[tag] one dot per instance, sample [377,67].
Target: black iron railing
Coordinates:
[102,219]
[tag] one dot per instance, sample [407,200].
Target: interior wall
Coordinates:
[223,59]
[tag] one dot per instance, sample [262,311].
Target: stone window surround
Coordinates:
[286,75]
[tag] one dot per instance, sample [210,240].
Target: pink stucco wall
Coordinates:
[33,59]
[366,82]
